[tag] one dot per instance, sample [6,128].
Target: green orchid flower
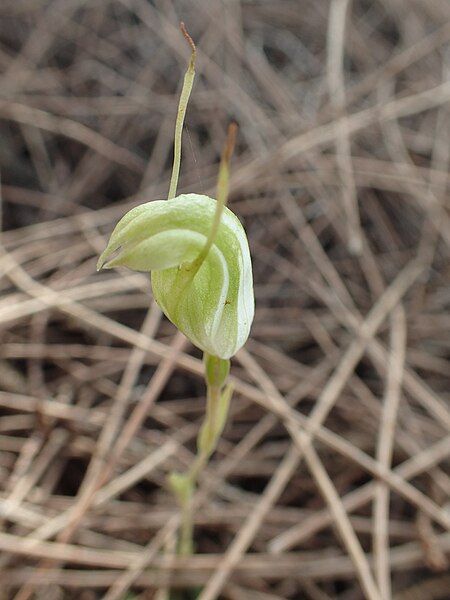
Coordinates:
[207,295]
[201,274]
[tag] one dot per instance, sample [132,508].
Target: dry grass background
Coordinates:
[332,478]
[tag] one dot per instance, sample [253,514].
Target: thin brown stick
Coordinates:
[385,449]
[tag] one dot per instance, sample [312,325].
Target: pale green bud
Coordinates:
[210,300]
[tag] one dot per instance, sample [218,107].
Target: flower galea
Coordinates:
[204,286]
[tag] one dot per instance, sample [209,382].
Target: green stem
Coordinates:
[218,397]
[186,543]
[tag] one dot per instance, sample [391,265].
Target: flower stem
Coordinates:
[218,398]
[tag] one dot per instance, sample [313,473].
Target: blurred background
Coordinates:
[332,478]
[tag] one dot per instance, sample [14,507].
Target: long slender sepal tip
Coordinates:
[182,106]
